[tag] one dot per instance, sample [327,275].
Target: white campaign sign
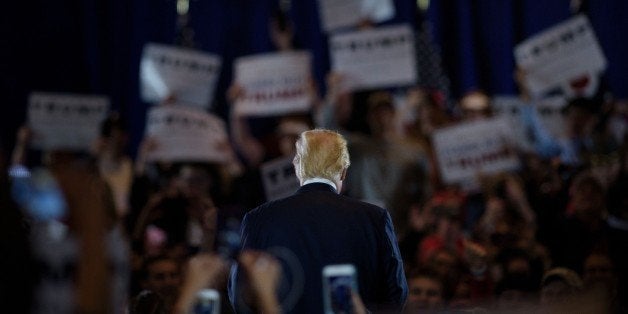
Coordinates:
[560,55]
[376,58]
[279,178]
[66,121]
[274,83]
[186,134]
[336,14]
[187,74]
[481,147]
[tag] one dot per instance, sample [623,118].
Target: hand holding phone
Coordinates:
[339,285]
[207,302]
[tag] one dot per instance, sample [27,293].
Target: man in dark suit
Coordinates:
[319,227]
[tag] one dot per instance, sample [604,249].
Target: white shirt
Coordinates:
[321,180]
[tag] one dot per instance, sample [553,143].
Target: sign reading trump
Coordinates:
[186,134]
[467,150]
[189,75]
[561,55]
[375,58]
[274,83]
[66,121]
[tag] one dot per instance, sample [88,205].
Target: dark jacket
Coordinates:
[316,227]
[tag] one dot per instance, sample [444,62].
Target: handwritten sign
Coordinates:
[279,178]
[274,83]
[377,58]
[483,147]
[66,121]
[189,75]
[186,134]
[561,55]
[337,14]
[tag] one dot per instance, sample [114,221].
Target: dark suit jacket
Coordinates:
[321,228]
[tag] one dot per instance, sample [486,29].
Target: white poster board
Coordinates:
[66,121]
[189,75]
[375,58]
[559,55]
[467,150]
[279,178]
[337,14]
[274,83]
[182,133]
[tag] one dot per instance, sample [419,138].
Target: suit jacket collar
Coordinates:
[311,187]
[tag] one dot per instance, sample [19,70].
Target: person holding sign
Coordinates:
[319,227]
[114,165]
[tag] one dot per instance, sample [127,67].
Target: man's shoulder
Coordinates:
[271,207]
[298,201]
[366,207]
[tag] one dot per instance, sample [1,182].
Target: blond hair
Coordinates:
[321,153]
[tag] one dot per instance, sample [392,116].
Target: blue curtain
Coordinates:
[94,46]
[476,38]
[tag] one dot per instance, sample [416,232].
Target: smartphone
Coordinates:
[338,283]
[207,302]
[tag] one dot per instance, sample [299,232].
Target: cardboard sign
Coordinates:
[563,55]
[186,134]
[337,14]
[187,74]
[66,121]
[274,84]
[482,147]
[376,58]
[279,178]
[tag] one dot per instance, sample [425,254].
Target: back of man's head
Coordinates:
[321,154]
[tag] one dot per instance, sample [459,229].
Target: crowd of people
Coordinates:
[144,236]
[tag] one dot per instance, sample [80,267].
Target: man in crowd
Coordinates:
[320,227]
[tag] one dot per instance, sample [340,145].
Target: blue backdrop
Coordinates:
[94,46]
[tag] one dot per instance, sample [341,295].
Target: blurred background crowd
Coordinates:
[552,235]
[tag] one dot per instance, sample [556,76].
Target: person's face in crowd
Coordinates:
[556,291]
[598,268]
[194,182]
[425,293]
[475,106]
[163,277]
